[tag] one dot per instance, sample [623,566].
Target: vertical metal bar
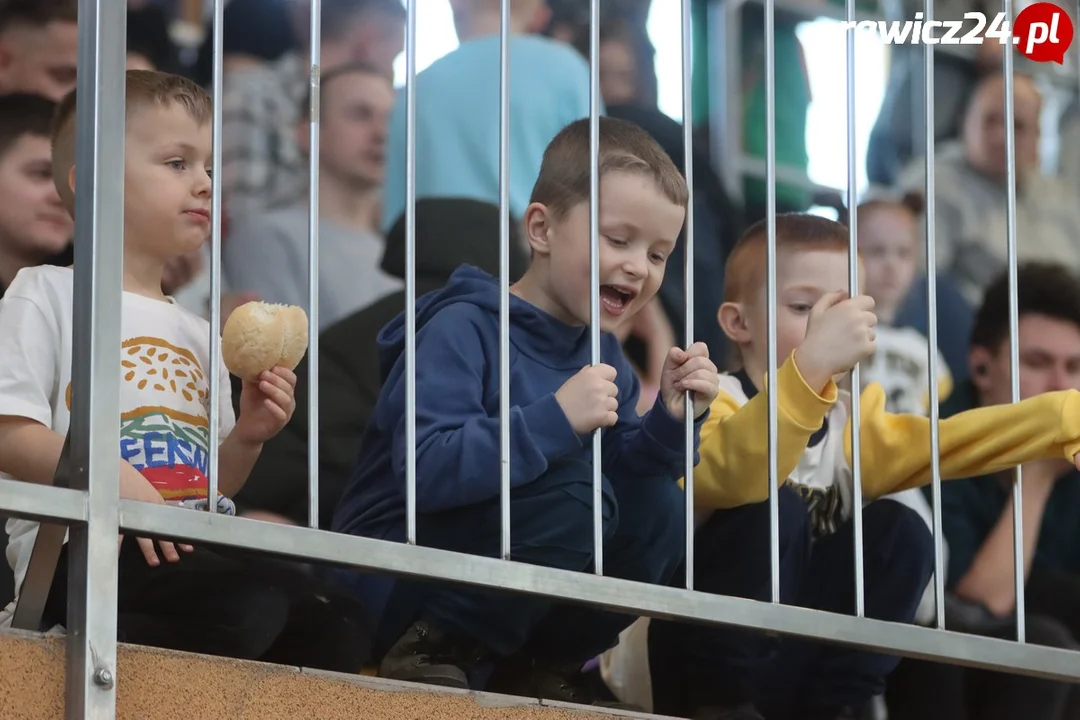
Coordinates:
[594,267]
[504,272]
[214,376]
[1014,324]
[725,96]
[853,289]
[410,272]
[931,324]
[96,292]
[770,292]
[688,164]
[314,113]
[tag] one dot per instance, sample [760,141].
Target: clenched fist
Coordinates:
[839,334]
[589,399]
[691,371]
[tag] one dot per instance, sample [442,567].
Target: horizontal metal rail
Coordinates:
[584,588]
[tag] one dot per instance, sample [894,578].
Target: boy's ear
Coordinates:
[537,224]
[732,321]
[71,180]
[979,360]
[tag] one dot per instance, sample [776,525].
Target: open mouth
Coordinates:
[616,299]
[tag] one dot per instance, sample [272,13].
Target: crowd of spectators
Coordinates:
[361,192]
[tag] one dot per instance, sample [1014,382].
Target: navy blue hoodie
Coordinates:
[457,410]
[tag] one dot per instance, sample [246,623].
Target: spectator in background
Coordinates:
[149,45]
[268,255]
[34,226]
[569,23]
[972,192]
[899,133]
[977,516]
[618,65]
[38,46]
[255,32]
[888,231]
[262,165]
[457,96]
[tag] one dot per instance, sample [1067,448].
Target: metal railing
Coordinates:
[84,501]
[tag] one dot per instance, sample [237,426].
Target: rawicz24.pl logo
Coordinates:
[1042,32]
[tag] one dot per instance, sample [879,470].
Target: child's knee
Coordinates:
[554,514]
[662,515]
[900,538]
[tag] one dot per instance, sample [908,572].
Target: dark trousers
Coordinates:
[921,690]
[220,602]
[551,525]
[694,666]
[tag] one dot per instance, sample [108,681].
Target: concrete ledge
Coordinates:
[162,685]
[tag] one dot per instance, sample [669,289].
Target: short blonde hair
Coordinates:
[564,176]
[744,273]
[143,88]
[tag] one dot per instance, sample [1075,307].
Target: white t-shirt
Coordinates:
[164,393]
[901,366]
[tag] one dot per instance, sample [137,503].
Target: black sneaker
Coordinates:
[746,711]
[425,654]
[558,682]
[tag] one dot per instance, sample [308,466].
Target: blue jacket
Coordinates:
[457,410]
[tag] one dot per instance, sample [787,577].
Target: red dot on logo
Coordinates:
[1043,32]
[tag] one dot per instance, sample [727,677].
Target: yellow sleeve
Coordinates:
[733,469]
[896,448]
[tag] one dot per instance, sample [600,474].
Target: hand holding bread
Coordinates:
[260,336]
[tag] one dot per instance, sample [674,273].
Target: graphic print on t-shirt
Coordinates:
[164,421]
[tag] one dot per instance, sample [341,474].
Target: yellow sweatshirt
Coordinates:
[733,469]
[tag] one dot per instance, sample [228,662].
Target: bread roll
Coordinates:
[259,336]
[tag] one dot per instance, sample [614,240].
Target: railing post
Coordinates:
[95,406]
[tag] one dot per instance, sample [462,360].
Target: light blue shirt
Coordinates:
[457,121]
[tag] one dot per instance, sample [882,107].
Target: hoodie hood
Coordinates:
[532,331]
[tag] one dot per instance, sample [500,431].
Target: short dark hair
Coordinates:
[338,14]
[357,67]
[565,170]
[37,13]
[23,114]
[1047,289]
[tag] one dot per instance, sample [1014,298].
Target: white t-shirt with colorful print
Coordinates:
[164,393]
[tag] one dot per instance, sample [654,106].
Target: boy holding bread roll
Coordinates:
[163,362]
[446,635]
